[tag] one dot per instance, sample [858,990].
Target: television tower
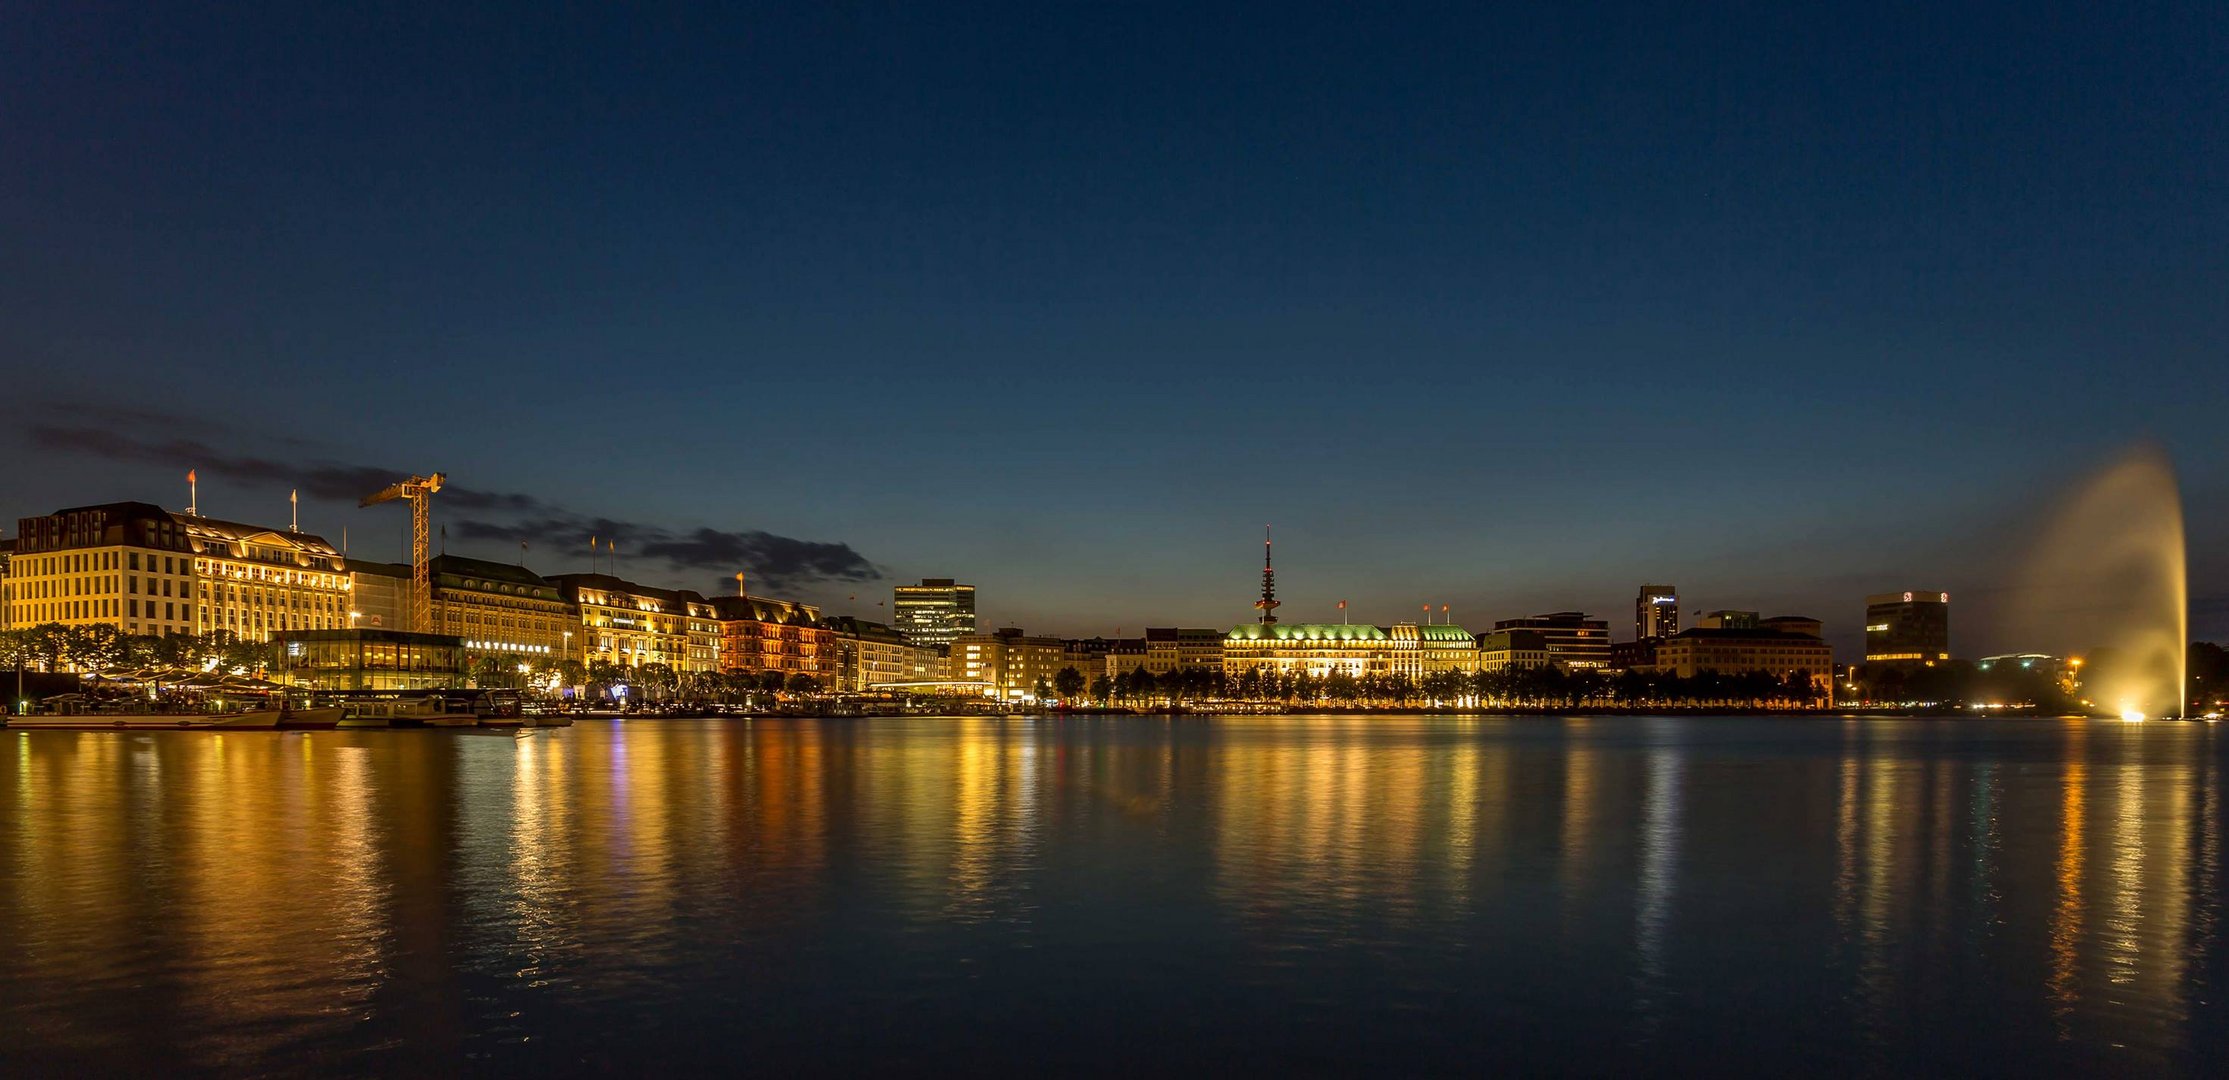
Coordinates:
[1268,602]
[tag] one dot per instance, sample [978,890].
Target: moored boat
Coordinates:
[320,717]
[148,721]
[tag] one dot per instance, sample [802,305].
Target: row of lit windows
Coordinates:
[62,587]
[80,563]
[30,614]
[170,565]
[219,568]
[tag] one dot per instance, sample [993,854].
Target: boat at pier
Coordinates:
[76,711]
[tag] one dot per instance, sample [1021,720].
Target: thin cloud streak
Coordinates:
[494,515]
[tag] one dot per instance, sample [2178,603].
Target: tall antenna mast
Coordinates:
[1268,602]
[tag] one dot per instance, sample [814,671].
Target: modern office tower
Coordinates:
[1907,628]
[1573,640]
[1656,612]
[938,611]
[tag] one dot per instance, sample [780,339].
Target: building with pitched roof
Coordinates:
[146,570]
[630,624]
[1317,649]
[496,609]
[759,634]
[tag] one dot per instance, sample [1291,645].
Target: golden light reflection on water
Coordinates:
[226,901]
[2066,917]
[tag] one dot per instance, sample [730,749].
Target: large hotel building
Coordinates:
[1655,612]
[146,570]
[630,625]
[496,608]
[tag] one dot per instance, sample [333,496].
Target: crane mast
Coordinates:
[418,491]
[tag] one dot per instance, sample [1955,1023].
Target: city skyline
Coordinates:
[1087,298]
[870,597]
[1043,539]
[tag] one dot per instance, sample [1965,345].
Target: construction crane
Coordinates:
[419,490]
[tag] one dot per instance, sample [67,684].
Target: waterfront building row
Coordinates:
[145,570]
[148,571]
[1784,646]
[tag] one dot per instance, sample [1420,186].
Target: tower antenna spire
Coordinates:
[1268,602]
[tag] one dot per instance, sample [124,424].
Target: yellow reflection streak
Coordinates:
[1578,807]
[2066,918]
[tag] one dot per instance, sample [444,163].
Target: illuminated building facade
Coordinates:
[939,611]
[628,624]
[378,595]
[1318,649]
[1734,651]
[497,609]
[373,660]
[1125,655]
[145,570]
[1574,641]
[758,635]
[1087,655]
[1910,628]
[1513,649]
[928,663]
[1168,648]
[869,655]
[1655,612]
[256,582]
[704,636]
[1446,647]
[1006,662]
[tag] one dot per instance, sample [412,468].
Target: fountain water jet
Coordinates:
[2109,573]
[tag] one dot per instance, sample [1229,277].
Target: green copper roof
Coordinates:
[1443,632]
[1307,632]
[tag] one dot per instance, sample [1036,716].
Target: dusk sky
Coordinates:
[1508,310]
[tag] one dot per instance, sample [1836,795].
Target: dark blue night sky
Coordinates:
[1509,309]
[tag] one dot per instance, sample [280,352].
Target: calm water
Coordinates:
[1108,896]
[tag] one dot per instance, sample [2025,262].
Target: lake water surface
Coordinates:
[1337,894]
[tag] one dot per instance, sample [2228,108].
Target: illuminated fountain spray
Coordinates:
[2109,572]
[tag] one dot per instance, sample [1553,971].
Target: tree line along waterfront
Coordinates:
[93,650]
